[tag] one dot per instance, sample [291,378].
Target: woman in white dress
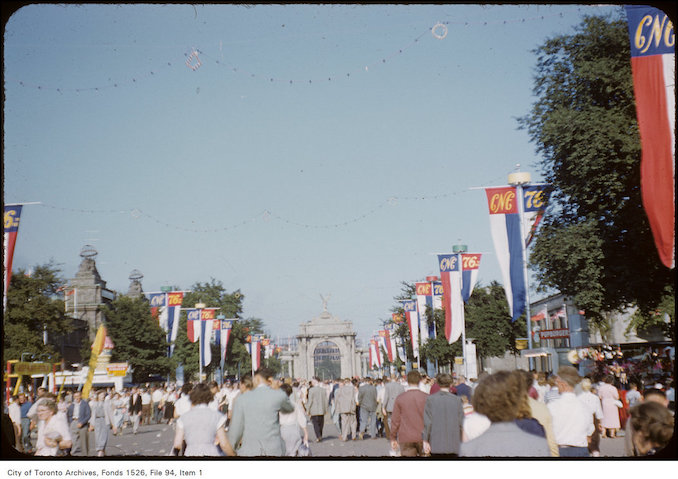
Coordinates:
[293,424]
[201,427]
[54,434]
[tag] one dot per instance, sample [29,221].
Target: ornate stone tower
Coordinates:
[135,290]
[87,293]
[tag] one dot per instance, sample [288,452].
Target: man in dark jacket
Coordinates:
[367,400]
[443,420]
[78,414]
[135,409]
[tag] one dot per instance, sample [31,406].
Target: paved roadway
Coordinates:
[156,440]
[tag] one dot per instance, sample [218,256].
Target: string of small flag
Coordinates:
[192,60]
[264,216]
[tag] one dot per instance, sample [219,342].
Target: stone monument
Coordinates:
[326,336]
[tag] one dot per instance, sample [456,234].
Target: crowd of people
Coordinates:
[506,414]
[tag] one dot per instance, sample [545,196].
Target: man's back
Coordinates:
[345,399]
[255,422]
[316,405]
[367,397]
[393,390]
[443,422]
[407,422]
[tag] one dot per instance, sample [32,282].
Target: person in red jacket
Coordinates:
[407,421]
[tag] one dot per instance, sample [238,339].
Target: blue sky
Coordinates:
[286,151]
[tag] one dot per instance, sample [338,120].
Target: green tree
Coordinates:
[137,338]
[34,306]
[488,322]
[595,244]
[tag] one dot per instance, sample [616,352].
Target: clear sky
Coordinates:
[287,151]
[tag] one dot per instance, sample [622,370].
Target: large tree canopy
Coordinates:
[33,306]
[137,338]
[595,244]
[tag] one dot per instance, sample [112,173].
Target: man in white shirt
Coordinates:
[572,419]
[145,407]
[156,399]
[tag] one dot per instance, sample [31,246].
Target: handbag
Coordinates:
[618,403]
[304,450]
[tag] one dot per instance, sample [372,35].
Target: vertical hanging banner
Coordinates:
[266,346]
[470,265]
[192,318]
[373,354]
[256,353]
[205,334]
[174,301]
[437,295]
[386,344]
[158,301]
[391,339]
[10,231]
[653,57]
[508,239]
[453,304]
[225,334]
[410,307]
[424,292]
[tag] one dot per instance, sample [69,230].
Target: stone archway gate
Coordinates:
[326,328]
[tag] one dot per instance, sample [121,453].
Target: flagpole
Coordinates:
[519,179]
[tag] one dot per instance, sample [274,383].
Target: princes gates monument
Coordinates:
[326,348]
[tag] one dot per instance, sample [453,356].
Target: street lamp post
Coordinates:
[200,307]
[519,180]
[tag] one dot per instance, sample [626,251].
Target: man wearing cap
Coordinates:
[572,421]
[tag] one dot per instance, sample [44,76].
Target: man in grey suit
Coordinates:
[443,420]
[345,405]
[392,389]
[78,415]
[255,418]
[316,406]
[367,400]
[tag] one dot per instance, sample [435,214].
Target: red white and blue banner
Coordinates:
[437,295]
[424,294]
[508,239]
[412,318]
[470,265]
[384,337]
[374,354]
[192,323]
[10,231]
[158,302]
[174,301]
[254,348]
[391,341]
[453,304]
[165,308]
[428,294]
[653,66]
[225,327]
